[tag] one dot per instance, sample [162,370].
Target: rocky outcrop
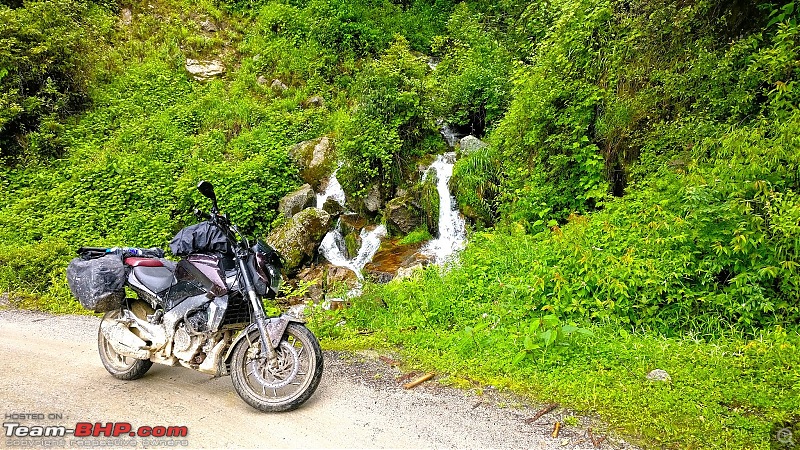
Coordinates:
[298,239]
[372,201]
[204,70]
[297,201]
[403,214]
[316,159]
[315,282]
[469,144]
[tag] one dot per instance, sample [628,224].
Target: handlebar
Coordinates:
[201,215]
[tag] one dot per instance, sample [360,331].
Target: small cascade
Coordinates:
[333,190]
[450,135]
[333,248]
[452,227]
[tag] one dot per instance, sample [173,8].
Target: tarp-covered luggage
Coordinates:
[97,283]
[204,237]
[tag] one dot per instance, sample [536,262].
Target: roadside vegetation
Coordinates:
[636,207]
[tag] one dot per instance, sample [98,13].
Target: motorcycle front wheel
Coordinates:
[282,384]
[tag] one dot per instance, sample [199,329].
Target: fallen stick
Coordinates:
[389,361]
[419,380]
[405,377]
[541,412]
[556,429]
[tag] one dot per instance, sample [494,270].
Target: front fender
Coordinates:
[275,328]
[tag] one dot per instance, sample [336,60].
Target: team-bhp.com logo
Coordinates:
[85,429]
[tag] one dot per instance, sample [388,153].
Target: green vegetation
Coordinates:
[636,208]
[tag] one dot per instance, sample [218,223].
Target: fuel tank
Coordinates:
[206,269]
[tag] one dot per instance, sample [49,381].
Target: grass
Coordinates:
[727,393]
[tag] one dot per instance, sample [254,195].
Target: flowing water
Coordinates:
[452,227]
[334,191]
[333,248]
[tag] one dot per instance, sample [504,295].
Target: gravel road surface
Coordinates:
[50,366]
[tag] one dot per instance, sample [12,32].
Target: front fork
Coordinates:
[267,350]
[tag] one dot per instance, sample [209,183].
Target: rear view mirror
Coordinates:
[207,189]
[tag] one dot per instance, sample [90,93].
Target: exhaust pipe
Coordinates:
[123,341]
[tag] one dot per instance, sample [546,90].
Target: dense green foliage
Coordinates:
[637,203]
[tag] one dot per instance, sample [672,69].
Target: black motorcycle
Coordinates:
[205,312]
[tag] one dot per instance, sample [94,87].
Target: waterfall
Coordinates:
[452,228]
[333,248]
[333,190]
[450,135]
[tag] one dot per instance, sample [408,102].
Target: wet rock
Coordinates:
[373,201]
[391,258]
[352,222]
[340,276]
[332,207]
[314,102]
[278,85]
[204,70]
[469,144]
[297,201]
[402,213]
[310,285]
[298,239]
[316,159]
[659,375]
[208,26]
[352,242]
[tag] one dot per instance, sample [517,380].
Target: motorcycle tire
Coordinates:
[284,384]
[120,366]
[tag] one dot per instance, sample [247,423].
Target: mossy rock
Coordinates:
[298,238]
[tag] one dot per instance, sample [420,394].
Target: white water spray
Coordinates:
[333,190]
[333,248]
[452,228]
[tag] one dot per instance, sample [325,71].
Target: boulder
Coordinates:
[261,80]
[278,85]
[332,207]
[204,70]
[316,159]
[338,276]
[469,144]
[314,102]
[372,201]
[298,239]
[352,222]
[297,201]
[310,285]
[402,213]
[659,375]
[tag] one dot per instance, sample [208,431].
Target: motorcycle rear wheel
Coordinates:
[120,366]
[284,384]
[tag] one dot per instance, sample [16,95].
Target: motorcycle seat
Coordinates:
[156,279]
[143,262]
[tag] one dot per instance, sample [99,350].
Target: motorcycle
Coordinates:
[206,312]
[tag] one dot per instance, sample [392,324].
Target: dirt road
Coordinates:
[49,365]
